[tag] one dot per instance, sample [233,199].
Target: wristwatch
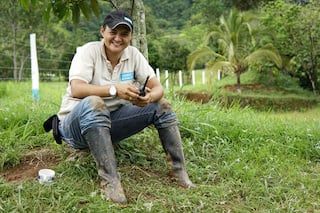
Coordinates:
[113,91]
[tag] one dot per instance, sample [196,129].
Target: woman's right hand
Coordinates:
[127,91]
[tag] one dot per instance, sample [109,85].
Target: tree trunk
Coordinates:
[22,62]
[14,52]
[313,75]
[313,85]
[238,72]
[14,46]
[140,36]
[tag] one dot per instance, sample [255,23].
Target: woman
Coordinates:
[104,105]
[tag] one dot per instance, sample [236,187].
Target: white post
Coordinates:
[34,68]
[158,74]
[180,78]
[193,78]
[203,77]
[167,79]
[219,75]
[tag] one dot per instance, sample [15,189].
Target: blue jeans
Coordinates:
[124,122]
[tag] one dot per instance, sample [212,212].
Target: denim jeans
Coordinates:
[124,122]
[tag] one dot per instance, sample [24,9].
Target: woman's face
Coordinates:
[116,40]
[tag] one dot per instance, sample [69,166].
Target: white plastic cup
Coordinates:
[46,176]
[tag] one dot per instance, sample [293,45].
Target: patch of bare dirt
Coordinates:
[31,163]
[198,97]
[205,97]
[243,87]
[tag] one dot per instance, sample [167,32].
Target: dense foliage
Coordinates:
[234,48]
[174,30]
[295,31]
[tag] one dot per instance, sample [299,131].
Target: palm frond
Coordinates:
[222,65]
[265,53]
[200,53]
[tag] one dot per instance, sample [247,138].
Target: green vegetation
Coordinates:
[289,28]
[231,36]
[259,91]
[241,160]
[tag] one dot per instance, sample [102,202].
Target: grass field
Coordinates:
[240,160]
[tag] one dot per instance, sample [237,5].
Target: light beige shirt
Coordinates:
[91,65]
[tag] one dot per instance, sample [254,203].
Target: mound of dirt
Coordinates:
[197,97]
[234,87]
[31,163]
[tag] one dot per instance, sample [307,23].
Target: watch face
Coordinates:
[113,91]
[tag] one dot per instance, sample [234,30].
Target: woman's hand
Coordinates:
[127,91]
[154,92]
[142,101]
[130,93]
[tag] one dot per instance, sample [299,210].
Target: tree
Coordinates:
[17,24]
[232,46]
[244,5]
[296,33]
[63,9]
[174,53]
[170,14]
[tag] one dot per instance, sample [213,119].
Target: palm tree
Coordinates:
[236,48]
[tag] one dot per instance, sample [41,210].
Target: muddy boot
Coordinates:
[171,142]
[100,144]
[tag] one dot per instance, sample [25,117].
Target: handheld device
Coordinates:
[143,89]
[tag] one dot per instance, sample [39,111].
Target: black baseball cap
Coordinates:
[116,18]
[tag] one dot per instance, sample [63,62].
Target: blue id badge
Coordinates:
[127,76]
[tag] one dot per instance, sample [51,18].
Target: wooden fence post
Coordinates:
[180,78]
[158,74]
[167,79]
[34,68]
[193,78]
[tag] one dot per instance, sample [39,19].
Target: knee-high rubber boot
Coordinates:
[100,144]
[171,142]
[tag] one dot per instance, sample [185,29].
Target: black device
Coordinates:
[143,89]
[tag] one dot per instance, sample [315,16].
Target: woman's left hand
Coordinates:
[143,100]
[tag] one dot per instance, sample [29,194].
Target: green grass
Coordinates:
[241,160]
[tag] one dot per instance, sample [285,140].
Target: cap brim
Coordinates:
[122,23]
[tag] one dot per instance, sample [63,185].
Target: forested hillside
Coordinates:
[175,29]
[278,23]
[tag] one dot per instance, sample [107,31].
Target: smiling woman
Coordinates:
[117,34]
[115,40]
[103,104]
